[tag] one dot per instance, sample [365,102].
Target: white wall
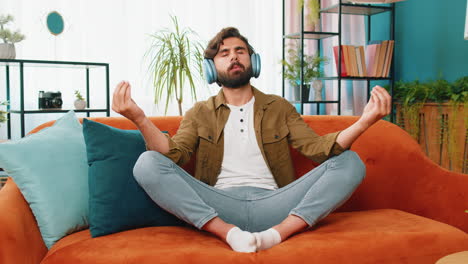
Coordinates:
[116,32]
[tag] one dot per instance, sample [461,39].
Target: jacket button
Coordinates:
[276,136]
[209,137]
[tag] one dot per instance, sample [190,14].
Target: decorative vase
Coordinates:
[80,104]
[305,92]
[7,51]
[317,85]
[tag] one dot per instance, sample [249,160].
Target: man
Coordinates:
[244,190]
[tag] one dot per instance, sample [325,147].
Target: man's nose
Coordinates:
[234,57]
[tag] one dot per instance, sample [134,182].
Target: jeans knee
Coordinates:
[146,165]
[355,166]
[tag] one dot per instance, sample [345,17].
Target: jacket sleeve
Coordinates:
[307,142]
[185,142]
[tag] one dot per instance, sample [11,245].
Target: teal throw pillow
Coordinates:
[50,169]
[116,200]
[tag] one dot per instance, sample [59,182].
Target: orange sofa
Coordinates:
[407,210]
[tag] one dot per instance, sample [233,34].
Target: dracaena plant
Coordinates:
[176,61]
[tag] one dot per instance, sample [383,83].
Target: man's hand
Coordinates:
[123,103]
[379,105]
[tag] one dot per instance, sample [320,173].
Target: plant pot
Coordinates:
[80,104]
[305,92]
[7,51]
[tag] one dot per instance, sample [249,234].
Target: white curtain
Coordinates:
[116,32]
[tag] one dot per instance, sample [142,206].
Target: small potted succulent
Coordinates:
[7,48]
[80,102]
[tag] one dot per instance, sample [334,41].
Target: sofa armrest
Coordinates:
[401,176]
[20,238]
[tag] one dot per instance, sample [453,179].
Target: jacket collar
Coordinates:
[261,99]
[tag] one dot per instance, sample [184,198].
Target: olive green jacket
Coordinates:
[277,125]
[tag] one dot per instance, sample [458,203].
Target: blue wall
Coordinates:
[429,40]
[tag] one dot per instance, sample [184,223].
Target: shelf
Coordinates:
[46,63]
[55,110]
[356,9]
[356,78]
[339,7]
[314,102]
[312,35]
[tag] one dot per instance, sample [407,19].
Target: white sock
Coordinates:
[241,241]
[268,238]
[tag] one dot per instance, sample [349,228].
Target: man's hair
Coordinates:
[213,47]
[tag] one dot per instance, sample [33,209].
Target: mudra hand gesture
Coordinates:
[123,103]
[379,105]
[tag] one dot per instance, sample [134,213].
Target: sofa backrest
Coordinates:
[385,148]
[398,173]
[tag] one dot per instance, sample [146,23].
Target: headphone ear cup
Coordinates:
[256,64]
[209,71]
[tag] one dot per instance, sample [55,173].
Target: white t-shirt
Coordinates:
[243,163]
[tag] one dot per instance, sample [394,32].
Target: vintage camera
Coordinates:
[50,100]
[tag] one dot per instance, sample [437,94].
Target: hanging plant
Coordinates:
[413,96]
[452,107]
[458,100]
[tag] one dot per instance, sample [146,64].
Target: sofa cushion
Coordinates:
[116,201]
[374,236]
[50,169]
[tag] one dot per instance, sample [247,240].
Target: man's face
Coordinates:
[232,63]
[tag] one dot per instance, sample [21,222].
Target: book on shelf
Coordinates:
[347,61]
[358,61]
[363,59]
[374,1]
[344,72]
[381,59]
[389,57]
[372,53]
[353,60]
[373,60]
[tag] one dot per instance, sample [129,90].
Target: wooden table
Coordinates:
[456,258]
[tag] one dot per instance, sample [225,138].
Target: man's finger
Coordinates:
[115,97]
[382,101]
[122,92]
[127,95]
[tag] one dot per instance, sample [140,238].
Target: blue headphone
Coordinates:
[211,75]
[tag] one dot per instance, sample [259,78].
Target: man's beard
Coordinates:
[236,81]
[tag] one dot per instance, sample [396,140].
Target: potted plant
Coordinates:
[435,113]
[311,72]
[7,48]
[3,114]
[312,18]
[80,102]
[176,60]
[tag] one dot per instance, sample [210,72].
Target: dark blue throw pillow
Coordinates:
[116,201]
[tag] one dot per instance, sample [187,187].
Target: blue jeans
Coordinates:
[311,197]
